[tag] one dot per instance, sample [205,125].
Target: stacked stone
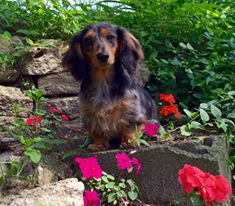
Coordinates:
[42,68]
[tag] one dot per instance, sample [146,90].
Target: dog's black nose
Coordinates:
[103,57]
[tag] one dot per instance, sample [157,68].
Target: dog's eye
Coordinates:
[110,37]
[88,41]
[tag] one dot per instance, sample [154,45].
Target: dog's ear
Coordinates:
[130,51]
[73,58]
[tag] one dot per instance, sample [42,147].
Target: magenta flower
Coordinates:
[89,167]
[137,165]
[123,161]
[151,129]
[91,198]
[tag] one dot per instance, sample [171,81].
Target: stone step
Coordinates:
[158,177]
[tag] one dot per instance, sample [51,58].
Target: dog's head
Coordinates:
[102,46]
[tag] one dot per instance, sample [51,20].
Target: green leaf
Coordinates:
[112,197]
[188,113]
[196,125]
[132,195]
[197,201]
[203,105]
[110,177]
[215,111]
[184,130]
[33,154]
[144,142]
[29,41]
[181,44]
[189,46]
[204,116]
[110,185]
[231,115]
[105,179]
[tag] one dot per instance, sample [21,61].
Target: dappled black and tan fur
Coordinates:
[103,57]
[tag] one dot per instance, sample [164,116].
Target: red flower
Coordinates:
[177,115]
[206,188]
[137,164]
[151,129]
[33,121]
[222,189]
[64,117]
[91,198]
[169,109]
[190,177]
[123,161]
[167,98]
[89,167]
[54,110]
[211,188]
[215,188]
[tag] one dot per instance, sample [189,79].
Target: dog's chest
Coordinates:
[107,117]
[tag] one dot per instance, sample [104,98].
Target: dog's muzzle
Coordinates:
[103,57]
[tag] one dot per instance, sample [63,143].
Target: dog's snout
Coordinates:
[103,57]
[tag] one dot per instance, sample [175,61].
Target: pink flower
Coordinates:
[151,129]
[91,198]
[123,161]
[89,167]
[64,117]
[137,164]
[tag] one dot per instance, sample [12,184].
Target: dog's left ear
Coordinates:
[130,51]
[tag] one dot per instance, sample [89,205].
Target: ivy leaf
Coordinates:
[132,195]
[184,130]
[204,116]
[111,197]
[196,125]
[215,111]
[34,155]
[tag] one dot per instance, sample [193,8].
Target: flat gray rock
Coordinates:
[11,95]
[68,192]
[59,84]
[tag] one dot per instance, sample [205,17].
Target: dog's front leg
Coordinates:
[99,143]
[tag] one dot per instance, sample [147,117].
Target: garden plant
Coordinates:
[189,47]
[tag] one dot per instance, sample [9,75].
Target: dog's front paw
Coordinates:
[96,147]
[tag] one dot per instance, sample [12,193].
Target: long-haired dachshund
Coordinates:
[103,57]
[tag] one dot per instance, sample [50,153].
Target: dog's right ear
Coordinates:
[73,58]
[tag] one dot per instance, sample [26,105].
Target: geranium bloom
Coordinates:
[64,117]
[137,165]
[169,109]
[211,188]
[206,188]
[91,198]
[222,189]
[33,121]
[167,98]
[151,129]
[123,161]
[190,177]
[54,110]
[89,167]
[215,188]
